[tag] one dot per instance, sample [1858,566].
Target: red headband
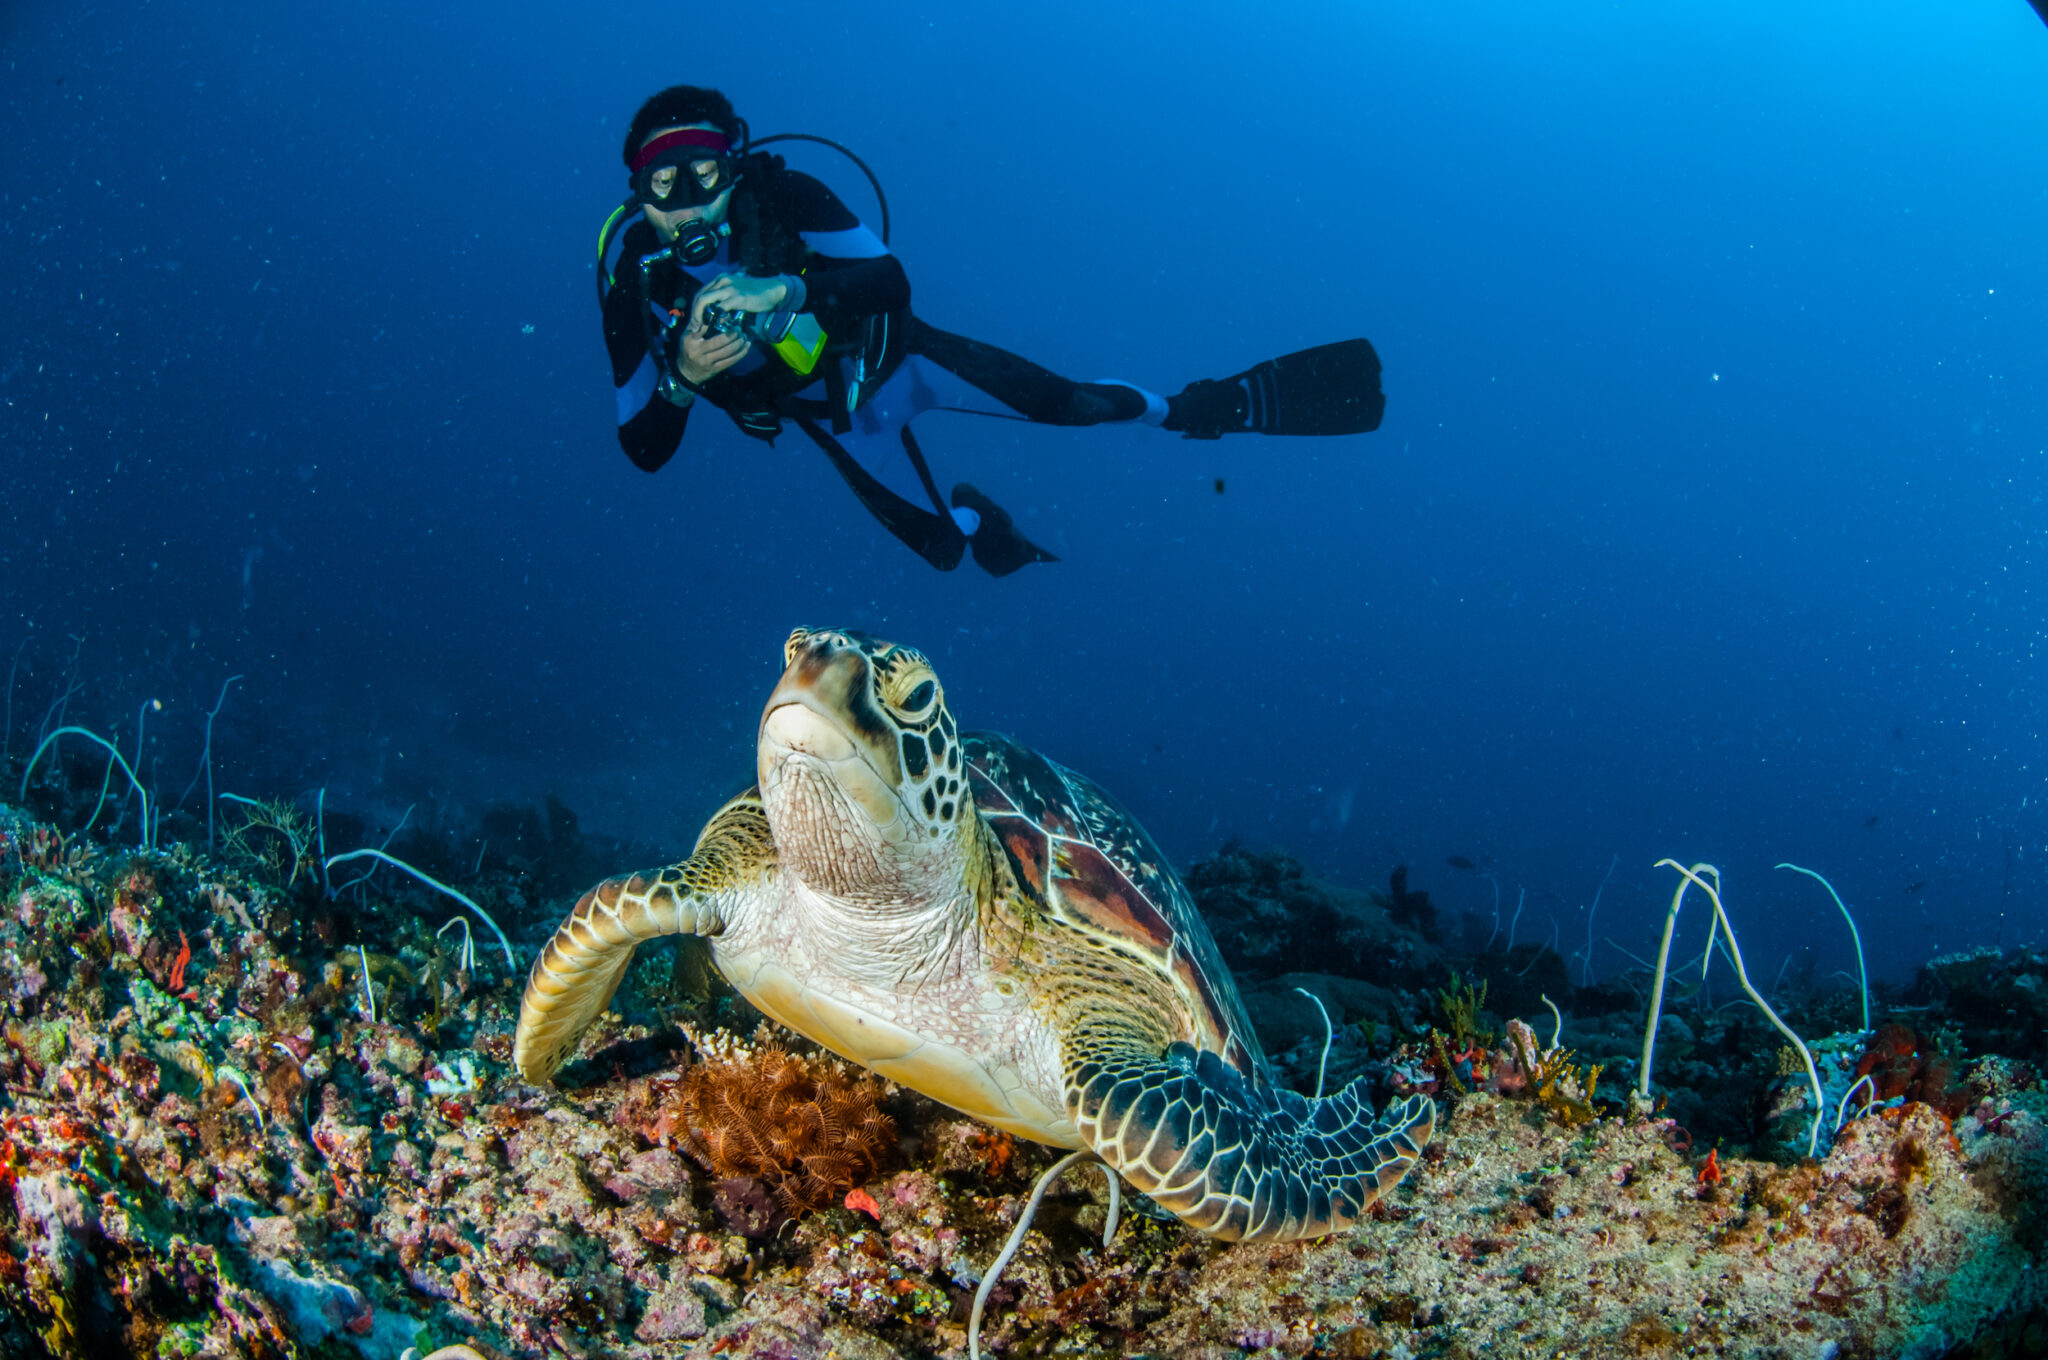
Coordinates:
[704,137]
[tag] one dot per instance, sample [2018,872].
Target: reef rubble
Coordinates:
[241,1117]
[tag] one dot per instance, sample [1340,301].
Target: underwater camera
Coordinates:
[722,320]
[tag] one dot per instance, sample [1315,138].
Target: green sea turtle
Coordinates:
[961,915]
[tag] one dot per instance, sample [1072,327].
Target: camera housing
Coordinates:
[722,320]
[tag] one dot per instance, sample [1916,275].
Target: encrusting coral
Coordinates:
[807,1128]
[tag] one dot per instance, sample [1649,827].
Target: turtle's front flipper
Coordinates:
[574,977]
[1234,1159]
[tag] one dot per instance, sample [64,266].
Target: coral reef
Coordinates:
[1408,907]
[1997,999]
[209,1146]
[1270,915]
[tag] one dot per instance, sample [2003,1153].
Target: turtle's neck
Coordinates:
[873,904]
[912,925]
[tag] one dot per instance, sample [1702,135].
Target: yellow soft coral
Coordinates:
[1564,1088]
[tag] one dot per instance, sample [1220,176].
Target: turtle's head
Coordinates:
[860,766]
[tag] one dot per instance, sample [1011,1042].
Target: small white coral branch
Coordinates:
[1713,892]
[436,884]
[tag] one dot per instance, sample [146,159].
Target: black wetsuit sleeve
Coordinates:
[849,275]
[650,427]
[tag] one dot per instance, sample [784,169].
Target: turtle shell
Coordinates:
[1088,862]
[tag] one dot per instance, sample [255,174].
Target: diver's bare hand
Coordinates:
[744,293]
[706,355]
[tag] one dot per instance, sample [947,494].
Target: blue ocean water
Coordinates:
[1706,519]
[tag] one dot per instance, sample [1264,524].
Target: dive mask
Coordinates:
[701,166]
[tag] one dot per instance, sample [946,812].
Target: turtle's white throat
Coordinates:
[881,894]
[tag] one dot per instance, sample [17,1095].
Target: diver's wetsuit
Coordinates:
[882,367]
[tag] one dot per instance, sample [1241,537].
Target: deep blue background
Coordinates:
[1706,519]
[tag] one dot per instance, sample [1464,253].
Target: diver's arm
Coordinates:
[651,435]
[850,274]
[849,289]
[650,426]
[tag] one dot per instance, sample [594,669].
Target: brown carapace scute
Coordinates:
[809,1129]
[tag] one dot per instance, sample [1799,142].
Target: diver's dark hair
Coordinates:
[679,105]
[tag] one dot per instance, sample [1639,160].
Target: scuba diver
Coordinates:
[731,280]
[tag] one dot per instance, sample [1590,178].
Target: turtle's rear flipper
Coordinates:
[1331,389]
[1235,1160]
[573,979]
[998,548]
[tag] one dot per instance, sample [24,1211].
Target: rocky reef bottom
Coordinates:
[249,1113]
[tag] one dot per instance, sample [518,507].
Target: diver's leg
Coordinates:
[1038,394]
[938,535]
[1327,390]
[881,460]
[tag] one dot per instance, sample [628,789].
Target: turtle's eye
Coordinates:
[919,701]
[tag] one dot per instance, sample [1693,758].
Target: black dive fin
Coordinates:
[2040,8]
[1331,389]
[998,548]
